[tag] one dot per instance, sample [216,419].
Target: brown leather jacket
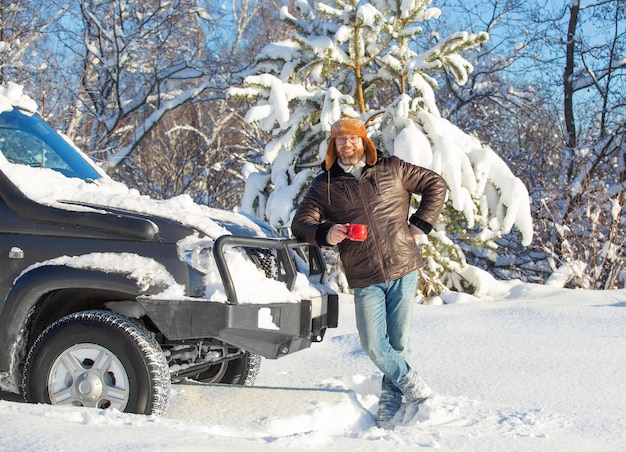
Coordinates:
[380,199]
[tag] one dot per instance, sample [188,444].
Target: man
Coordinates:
[360,186]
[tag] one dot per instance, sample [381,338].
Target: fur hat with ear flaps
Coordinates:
[347,127]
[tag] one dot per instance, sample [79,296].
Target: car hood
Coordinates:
[66,199]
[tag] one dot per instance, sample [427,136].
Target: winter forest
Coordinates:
[520,105]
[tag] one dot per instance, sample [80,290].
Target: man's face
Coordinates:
[349,148]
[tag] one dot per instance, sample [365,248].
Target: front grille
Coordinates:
[265,260]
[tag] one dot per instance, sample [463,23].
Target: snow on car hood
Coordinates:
[54,189]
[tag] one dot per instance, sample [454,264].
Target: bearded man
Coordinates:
[358,185]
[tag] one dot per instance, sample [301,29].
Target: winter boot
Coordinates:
[389,403]
[414,388]
[415,393]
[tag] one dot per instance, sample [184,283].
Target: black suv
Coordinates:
[104,293]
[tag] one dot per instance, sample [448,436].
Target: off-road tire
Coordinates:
[99,359]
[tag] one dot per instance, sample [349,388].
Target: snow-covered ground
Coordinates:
[540,369]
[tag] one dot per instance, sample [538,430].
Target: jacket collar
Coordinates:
[337,171]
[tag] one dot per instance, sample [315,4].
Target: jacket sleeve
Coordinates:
[309,223]
[431,187]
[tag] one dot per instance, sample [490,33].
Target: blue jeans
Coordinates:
[383,317]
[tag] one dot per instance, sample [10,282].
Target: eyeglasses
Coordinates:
[354,139]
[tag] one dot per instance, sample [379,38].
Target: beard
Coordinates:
[353,160]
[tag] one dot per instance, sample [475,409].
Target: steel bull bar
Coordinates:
[268,329]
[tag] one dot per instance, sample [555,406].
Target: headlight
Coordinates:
[200,259]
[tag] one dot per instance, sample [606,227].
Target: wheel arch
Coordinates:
[45,294]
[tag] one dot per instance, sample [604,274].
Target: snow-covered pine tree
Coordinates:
[361,59]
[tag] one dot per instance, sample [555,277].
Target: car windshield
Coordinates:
[26,139]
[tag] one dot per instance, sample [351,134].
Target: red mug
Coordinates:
[357,232]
